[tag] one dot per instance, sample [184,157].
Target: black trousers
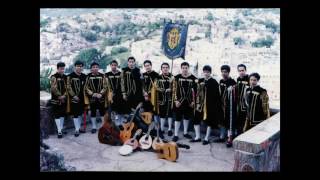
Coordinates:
[164,109]
[184,112]
[97,106]
[76,109]
[59,110]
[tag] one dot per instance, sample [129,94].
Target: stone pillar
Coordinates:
[47,125]
[258,149]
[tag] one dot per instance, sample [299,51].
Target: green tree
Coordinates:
[45,79]
[43,23]
[64,27]
[263,42]
[117,50]
[238,41]
[89,36]
[209,16]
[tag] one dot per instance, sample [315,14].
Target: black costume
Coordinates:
[184,90]
[226,91]
[208,102]
[131,86]
[242,85]
[75,86]
[114,83]
[149,86]
[257,102]
[58,88]
[164,99]
[96,83]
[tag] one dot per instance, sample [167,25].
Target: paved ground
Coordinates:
[87,154]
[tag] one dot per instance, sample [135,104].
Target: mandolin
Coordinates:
[131,144]
[146,140]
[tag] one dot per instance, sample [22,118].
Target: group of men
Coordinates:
[232,106]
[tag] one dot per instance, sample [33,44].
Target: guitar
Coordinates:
[109,133]
[168,151]
[156,140]
[147,117]
[125,134]
[130,145]
[146,140]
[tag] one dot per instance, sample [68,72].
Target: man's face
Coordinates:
[60,70]
[78,68]
[165,69]
[95,69]
[206,74]
[147,67]
[131,63]
[185,70]
[241,71]
[224,73]
[113,66]
[253,81]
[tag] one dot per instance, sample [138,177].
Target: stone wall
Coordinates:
[259,148]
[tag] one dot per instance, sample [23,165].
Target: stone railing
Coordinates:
[258,149]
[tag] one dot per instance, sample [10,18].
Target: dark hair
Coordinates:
[78,63]
[185,64]
[61,64]
[131,57]
[114,61]
[242,65]
[256,75]
[225,67]
[147,61]
[94,63]
[206,68]
[164,64]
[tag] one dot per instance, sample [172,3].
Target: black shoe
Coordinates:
[64,132]
[195,140]
[161,135]
[219,140]
[82,131]
[229,144]
[205,142]
[175,138]
[170,133]
[188,136]
[59,135]
[44,146]
[162,132]
[93,131]
[76,134]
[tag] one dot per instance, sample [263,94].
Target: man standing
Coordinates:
[131,85]
[242,85]
[227,85]
[184,90]
[58,83]
[95,89]
[114,94]
[257,101]
[75,85]
[164,88]
[208,107]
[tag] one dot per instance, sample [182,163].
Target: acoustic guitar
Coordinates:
[147,117]
[125,134]
[168,151]
[109,133]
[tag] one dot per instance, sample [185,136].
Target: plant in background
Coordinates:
[45,79]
